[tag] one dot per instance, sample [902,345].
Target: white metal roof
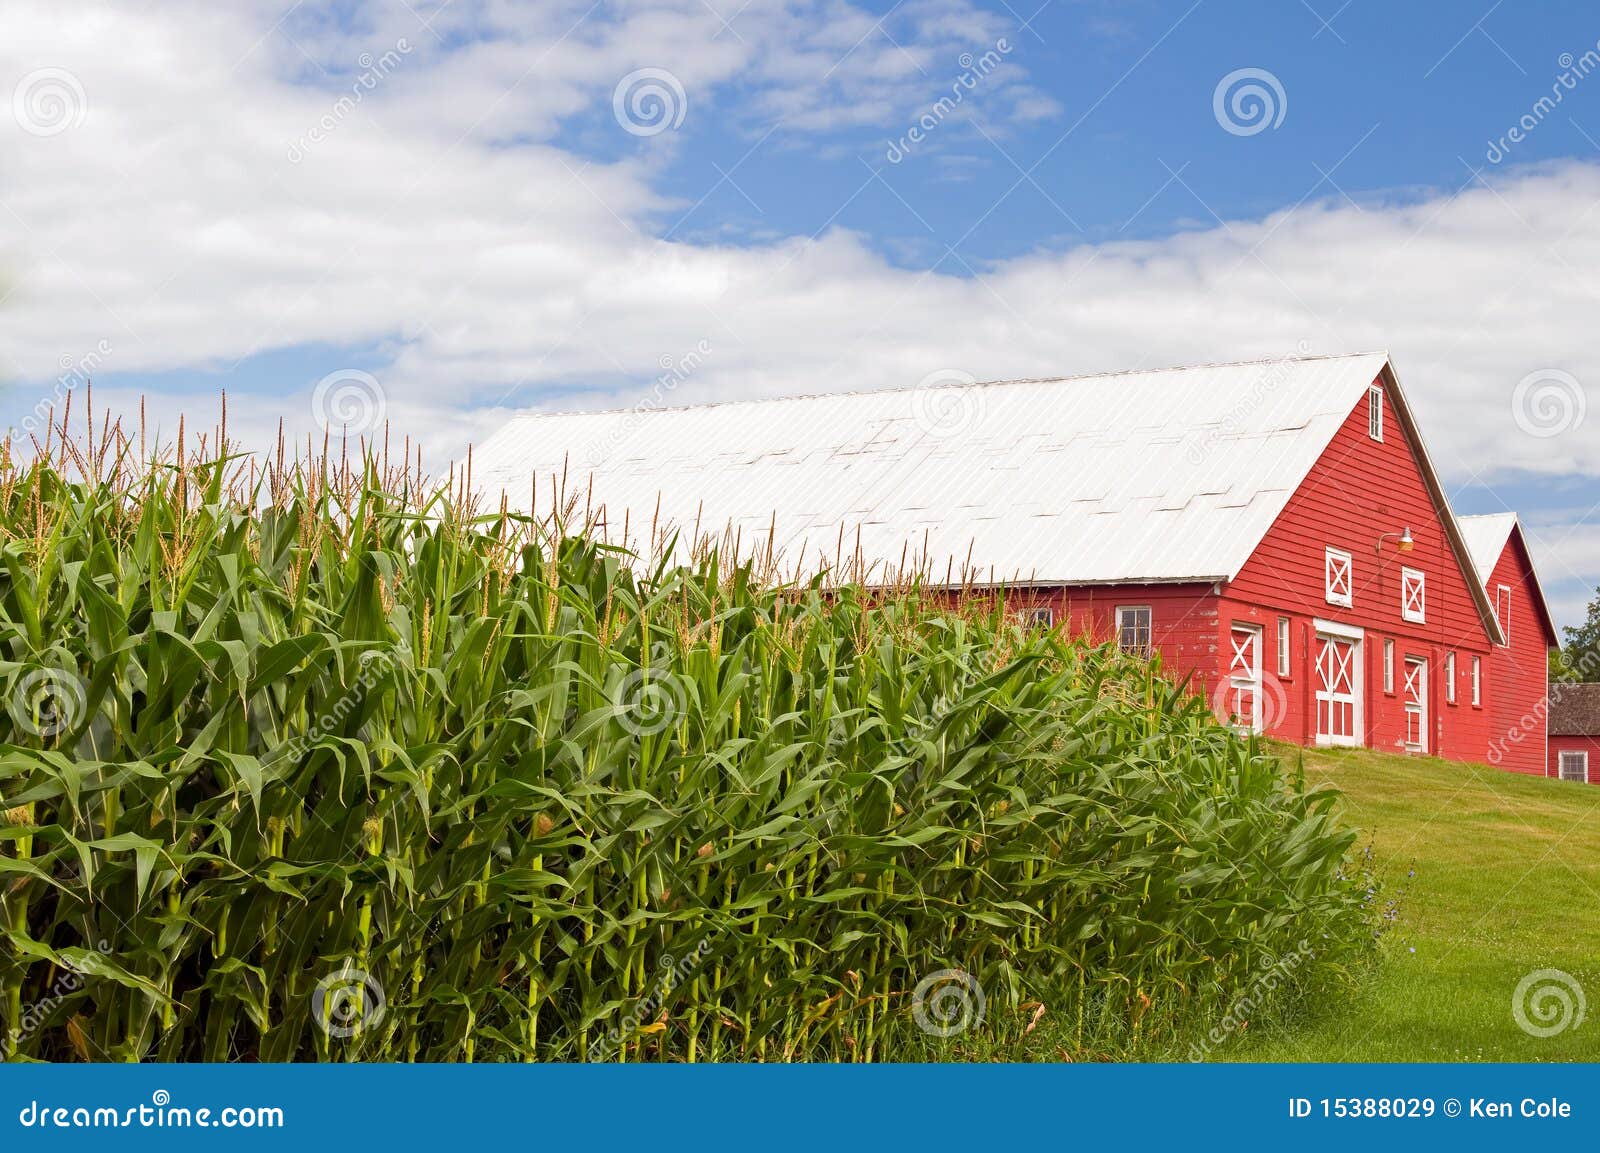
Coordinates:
[1165,475]
[1486,538]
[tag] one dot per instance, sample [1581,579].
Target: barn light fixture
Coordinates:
[1403,541]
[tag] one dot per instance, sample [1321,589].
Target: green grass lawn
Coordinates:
[1500,876]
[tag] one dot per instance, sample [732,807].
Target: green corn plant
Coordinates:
[321,760]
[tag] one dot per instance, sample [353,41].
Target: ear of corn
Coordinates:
[333,722]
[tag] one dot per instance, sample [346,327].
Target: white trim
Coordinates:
[1414,578]
[1334,559]
[1150,629]
[1343,631]
[1375,413]
[1450,678]
[1417,705]
[1249,679]
[1285,662]
[1388,665]
[1477,681]
[1581,756]
[1504,621]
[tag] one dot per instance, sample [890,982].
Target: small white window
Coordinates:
[1574,766]
[1283,646]
[1042,618]
[1375,413]
[1477,683]
[1413,596]
[1388,665]
[1133,629]
[1502,610]
[1450,678]
[1338,580]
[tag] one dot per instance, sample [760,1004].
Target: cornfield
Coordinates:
[318,760]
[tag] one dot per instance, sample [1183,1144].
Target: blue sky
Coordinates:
[450,210]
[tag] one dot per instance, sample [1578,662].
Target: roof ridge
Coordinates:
[920,387]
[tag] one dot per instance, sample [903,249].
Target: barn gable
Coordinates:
[1488,538]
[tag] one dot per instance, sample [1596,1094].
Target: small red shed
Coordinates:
[1575,731]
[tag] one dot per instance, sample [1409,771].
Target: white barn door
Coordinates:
[1244,679]
[1338,689]
[1416,687]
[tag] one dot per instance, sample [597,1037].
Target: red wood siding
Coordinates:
[1590,745]
[1359,490]
[1183,623]
[1520,671]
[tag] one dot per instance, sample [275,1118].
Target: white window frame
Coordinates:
[1502,595]
[1283,646]
[1334,562]
[1414,596]
[1477,682]
[1042,616]
[1388,665]
[1375,413]
[1449,678]
[1579,757]
[1148,649]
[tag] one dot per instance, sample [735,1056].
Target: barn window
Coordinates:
[1575,766]
[1502,610]
[1041,618]
[1133,629]
[1283,646]
[1375,413]
[1388,666]
[1477,683]
[1336,576]
[1413,596]
[1450,678]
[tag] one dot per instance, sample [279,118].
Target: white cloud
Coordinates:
[444,217]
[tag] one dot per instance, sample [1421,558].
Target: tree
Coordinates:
[1580,660]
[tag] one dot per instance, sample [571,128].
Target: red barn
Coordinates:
[1519,668]
[1274,529]
[1575,732]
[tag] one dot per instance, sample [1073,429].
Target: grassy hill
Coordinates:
[1500,876]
